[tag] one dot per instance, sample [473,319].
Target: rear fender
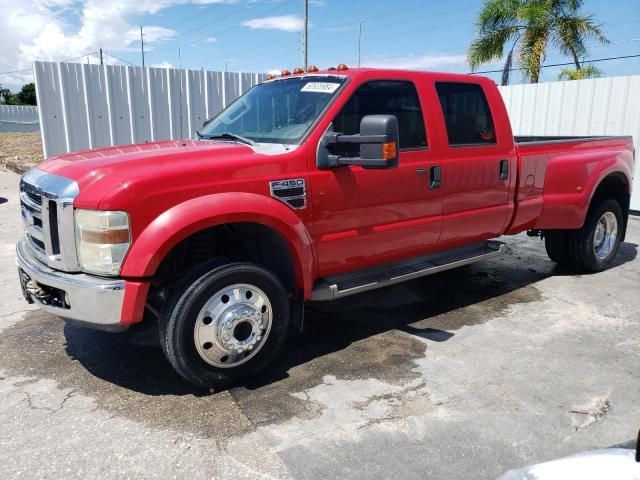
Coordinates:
[571,181]
[185,219]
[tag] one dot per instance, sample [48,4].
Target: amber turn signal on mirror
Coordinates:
[389,150]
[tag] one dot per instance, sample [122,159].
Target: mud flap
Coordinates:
[297,314]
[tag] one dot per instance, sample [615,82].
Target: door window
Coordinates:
[466,114]
[385,97]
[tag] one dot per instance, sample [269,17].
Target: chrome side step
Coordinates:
[340,286]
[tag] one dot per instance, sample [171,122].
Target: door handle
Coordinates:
[504,169]
[435,176]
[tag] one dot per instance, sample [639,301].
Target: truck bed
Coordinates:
[554,174]
[528,139]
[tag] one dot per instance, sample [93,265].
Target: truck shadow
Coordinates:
[378,334]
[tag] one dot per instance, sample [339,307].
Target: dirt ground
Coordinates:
[20,148]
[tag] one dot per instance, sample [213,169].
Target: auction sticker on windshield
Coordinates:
[320,87]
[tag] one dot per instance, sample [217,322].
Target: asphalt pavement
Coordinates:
[465,374]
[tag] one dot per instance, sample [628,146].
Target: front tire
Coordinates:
[224,322]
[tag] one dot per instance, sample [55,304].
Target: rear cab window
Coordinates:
[385,97]
[466,113]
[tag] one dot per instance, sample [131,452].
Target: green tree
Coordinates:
[526,28]
[590,71]
[27,95]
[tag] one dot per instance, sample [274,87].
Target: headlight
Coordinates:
[102,240]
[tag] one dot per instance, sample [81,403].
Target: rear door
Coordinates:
[365,217]
[478,166]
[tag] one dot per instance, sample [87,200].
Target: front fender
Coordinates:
[185,219]
[571,181]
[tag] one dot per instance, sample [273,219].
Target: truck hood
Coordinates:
[100,171]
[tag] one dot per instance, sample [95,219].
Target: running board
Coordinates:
[340,286]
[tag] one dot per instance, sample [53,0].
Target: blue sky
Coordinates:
[263,35]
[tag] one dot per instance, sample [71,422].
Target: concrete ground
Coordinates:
[465,374]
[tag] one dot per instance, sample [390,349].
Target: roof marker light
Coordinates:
[312,68]
[284,73]
[342,67]
[298,71]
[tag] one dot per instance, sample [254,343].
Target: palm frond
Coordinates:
[490,46]
[497,15]
[590,71]
[532,53]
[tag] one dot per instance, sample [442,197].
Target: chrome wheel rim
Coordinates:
[604,238]
[233,325]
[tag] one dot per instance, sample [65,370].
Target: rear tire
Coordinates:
[224,322]
[556,243]
[595,245]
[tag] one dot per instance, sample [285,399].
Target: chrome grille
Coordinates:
[47,211]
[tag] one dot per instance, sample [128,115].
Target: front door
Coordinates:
[365,217]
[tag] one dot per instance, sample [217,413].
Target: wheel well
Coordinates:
[615,186]
[242,241]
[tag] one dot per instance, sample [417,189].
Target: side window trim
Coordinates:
[419,102]
[485,102]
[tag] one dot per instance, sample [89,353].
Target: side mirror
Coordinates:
[378,140]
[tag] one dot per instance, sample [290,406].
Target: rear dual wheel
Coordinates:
[224,322]
[593,247]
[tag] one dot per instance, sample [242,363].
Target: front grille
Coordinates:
[47,210]
[34,197]
[37,243]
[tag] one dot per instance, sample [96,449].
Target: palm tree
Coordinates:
[526,28]
[585,72]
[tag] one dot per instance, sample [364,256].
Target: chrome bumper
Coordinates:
[93,301]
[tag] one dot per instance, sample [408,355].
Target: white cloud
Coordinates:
[286,23]
[426,61]
[318,3]
[210,40]
[62,29]
[164,64]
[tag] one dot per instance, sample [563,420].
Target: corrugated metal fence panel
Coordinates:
[52,130]
[97,106]
[89,106]
[138,104]
[117,103]
[74,106]
[215,93]
[19,114]
[195,94]
[601,106]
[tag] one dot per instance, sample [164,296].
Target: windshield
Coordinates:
[280,111]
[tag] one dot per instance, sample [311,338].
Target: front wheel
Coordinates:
[224,322]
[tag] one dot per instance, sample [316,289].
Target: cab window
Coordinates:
[386,97]
[466,114]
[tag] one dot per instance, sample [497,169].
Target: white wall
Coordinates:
[85,106]
[602,106]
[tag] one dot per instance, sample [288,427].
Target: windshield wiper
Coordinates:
[227,135]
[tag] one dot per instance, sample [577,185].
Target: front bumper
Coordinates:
[94,301]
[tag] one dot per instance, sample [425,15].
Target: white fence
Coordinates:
[85,106]
[19,114]
[602,106]
[18,118]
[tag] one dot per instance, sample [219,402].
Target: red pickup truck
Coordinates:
[310,187]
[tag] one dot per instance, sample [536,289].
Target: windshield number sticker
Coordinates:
[320,87]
